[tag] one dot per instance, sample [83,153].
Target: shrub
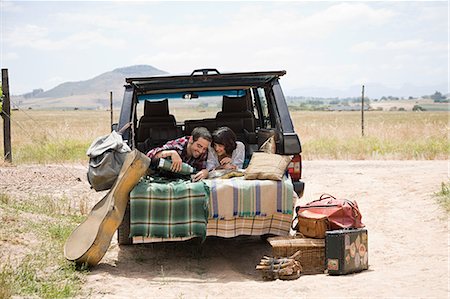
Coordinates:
[444,196]
[418,108]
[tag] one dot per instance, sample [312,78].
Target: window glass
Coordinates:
[190,105]
[264,107]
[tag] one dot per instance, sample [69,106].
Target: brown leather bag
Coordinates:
[311,225]
[341,213]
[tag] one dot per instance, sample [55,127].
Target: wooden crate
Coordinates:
[312,257]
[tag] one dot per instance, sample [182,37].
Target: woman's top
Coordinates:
[237,157]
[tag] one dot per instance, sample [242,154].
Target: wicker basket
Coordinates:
[312,257]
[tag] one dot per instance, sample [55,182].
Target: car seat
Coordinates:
[156,126]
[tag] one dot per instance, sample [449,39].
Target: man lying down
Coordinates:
[216,155]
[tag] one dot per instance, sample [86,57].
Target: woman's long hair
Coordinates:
[226,137]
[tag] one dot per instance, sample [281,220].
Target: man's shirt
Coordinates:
[180,145]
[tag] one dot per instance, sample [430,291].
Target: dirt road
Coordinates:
[408,239]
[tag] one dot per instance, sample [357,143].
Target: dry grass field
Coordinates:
[57,136]
[387,135]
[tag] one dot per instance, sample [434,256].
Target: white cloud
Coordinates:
[329,20]
[38,37]
[361,81]
[10,56]
[364,47]
[409,46]
[265,27]
[105,21]
[53,81]
[251,22]
[327,43]
[90,39]
[328,75]
[431,14]
[10,7]
[415,44]
[405,44]
[25,35]
[351,11]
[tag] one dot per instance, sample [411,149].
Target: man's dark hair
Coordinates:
[226,137]
[201,132]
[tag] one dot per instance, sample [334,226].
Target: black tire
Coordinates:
[123,231]
[266,236]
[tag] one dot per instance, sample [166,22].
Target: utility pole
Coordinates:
[6,115]
[111,106]
[362,112]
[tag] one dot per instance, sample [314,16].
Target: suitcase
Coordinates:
[346,251]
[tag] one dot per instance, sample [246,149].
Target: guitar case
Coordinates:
[89,242]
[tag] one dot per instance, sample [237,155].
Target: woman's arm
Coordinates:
[212,161]
[238,156]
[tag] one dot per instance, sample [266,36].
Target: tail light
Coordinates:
[295,167]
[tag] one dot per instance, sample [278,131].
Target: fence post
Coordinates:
[111,106]
[362,112]
[6,115]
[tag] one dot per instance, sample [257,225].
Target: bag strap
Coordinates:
[124,128]
[326,196]
[329,196]
[322,197]
[292,222]
[355,209]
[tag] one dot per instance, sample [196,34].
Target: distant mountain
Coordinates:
[88,94]
[94,93]
[371,90]
[113,80]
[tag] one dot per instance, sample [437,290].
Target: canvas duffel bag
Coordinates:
[106,156]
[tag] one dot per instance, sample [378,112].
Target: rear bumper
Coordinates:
[299,187]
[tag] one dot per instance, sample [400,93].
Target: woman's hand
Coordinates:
[225,163]
[226,160]
[229,166]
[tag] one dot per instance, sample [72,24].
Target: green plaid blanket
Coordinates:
[169,209]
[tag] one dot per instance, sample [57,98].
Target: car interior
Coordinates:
[157,125]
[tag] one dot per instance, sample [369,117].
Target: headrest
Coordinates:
[156,108]
[234,104]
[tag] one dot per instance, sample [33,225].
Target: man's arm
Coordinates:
[174,156]
[202,174]
[170,149]
[200,165]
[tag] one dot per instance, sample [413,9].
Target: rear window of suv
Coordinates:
[205,104]
[190,105]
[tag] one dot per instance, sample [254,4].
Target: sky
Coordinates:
[331,44]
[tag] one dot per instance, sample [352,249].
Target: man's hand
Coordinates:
[176,161]
[202,174]
[174,156]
